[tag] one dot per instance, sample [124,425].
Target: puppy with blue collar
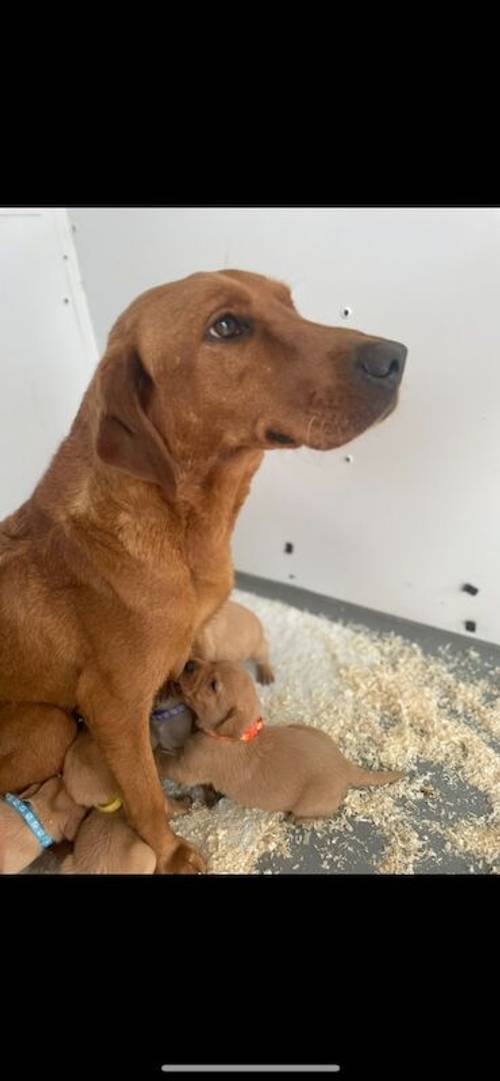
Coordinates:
[84,806]
[41,816]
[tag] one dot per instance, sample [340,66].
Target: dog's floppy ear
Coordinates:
[126,437]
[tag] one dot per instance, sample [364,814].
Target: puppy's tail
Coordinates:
[360,778]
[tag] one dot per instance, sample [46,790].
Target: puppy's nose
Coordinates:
[383,361]
[191,666]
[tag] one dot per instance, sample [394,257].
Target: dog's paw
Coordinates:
[182,860]
[265,674]
[209,796]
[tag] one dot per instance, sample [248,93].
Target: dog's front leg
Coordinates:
[122,734]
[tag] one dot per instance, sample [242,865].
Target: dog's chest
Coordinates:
[211,590]
[211,572]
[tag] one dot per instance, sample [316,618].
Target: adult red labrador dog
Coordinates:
[122,552]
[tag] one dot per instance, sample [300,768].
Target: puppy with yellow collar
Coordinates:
[105,843]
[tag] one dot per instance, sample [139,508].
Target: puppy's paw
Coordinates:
[210,796]
[265,674]
[297,820]
[179,806]
[181,860]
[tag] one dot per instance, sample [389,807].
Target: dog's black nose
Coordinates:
[190,667]
[383,361]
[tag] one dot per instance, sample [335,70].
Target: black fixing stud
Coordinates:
[467,588]
[470,625]
[288,548]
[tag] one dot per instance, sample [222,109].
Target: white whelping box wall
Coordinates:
[47,346]
[397,521]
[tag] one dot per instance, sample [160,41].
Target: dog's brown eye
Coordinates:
[228,326]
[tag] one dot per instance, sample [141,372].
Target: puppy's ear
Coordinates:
[126,438]
[31,791]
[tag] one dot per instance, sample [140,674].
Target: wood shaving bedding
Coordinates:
[387,705]
[232,838]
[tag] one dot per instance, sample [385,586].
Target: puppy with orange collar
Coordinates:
[294,768]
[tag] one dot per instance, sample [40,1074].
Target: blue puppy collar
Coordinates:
[25,810]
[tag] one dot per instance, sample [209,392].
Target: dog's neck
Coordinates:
[210,487]
[210,501]
[97,516]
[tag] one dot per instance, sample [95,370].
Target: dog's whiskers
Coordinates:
[310,426]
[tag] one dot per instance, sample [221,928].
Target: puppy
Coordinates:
[33,743]
[171,722]
[235,634]
[105,843]
[297,769]
[52,812]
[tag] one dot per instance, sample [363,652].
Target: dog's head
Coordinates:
[221,694]
[222,361]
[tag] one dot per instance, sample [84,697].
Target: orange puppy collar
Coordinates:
[250,733]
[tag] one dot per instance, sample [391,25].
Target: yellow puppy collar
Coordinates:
[108,808]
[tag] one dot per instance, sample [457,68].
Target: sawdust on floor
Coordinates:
[387,705]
